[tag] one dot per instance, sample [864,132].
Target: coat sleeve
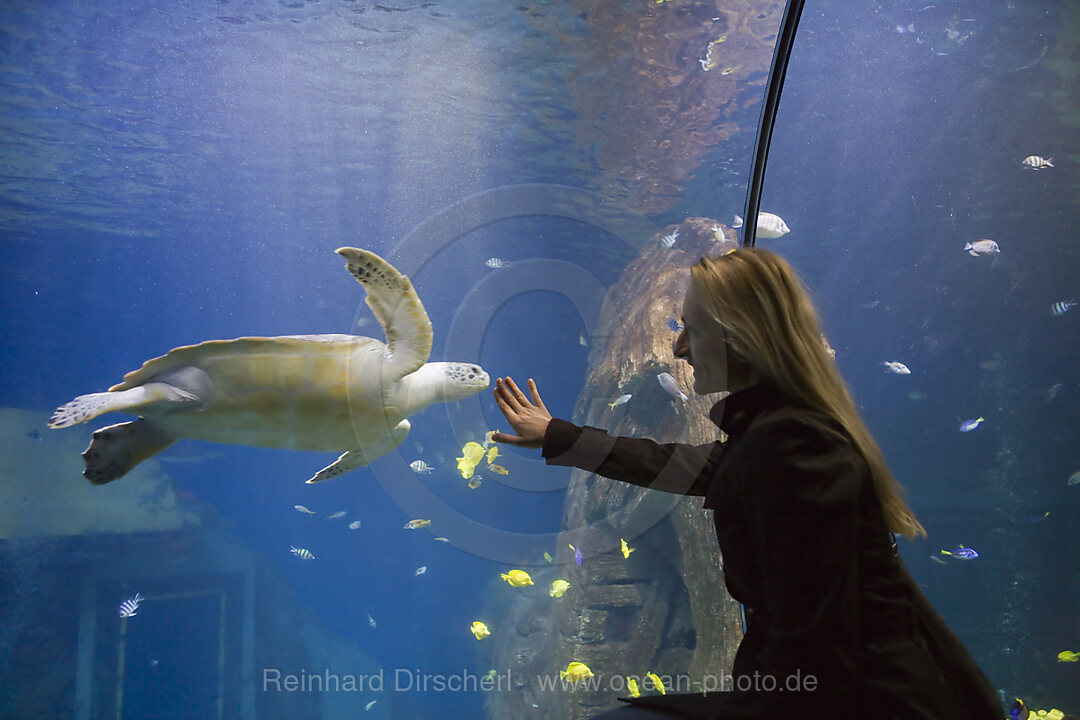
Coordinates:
[801,488]
[672,467]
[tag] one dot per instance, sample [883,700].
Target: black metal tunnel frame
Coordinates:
[781,53]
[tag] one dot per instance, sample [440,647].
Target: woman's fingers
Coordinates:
[516,392]
[537,401]
[511,394]
[501,437]
[503,397]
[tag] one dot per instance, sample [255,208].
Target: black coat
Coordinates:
[806,550]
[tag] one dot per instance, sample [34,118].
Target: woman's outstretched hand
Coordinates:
[528,419]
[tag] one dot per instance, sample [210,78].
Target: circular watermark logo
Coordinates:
[627,230]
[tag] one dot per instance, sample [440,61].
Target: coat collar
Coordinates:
[734,413]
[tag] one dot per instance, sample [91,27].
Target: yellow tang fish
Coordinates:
[656,681]
[480,630]
[517,578]
[498,469]
[1068,656]
[547,556]
[576,671]
[558,587]
[417,523]
[631,685]
[471,455]
[626,549]
[492,454]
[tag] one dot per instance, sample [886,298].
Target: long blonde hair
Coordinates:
[771,322]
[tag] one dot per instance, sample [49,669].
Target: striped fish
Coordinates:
[1036,162]
[1061,307]
[302,553]
[668,241]
[129,606]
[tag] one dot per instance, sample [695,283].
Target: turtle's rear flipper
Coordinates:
[88,407]
[116,449]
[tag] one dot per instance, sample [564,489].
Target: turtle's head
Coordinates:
[443,382]
[463,379]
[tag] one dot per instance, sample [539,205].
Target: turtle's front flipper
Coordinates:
[358,458]
[116,449]
[88,407]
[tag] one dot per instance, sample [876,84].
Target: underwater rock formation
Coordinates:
[658,85]
[665,608]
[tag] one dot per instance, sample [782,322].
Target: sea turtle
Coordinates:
[305,392]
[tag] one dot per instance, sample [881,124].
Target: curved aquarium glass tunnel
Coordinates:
[544,171]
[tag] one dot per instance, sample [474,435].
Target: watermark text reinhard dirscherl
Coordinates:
[398,680]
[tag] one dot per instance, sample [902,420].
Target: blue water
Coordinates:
[180,173]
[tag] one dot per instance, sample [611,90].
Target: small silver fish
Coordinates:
[1061,307]
[370,705]
[621,400]
[897,368]
[982,247]
[769,226]
[669,240]
[671,386]
[421,570]
[1036,162]
[335,516]
[969,425]
[1074,479]
[129,606]
[301,508]
[302,553]
[495,263]
[370,620]
[420,467]
[1052,392]
[354,525]
[441,539]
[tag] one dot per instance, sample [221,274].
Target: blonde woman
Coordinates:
[804,507]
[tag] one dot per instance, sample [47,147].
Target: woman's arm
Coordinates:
[672,467]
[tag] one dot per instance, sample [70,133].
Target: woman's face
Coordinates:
[703,344]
